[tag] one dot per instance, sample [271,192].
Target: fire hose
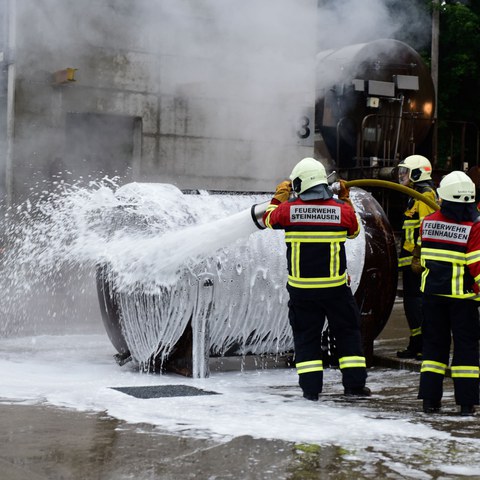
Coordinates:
[257,211]
[368,182]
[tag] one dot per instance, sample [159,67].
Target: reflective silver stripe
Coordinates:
[318,282]
[410,236]
[411,226]
[269,210]
[405,261]
[334,259]
[473,257]
[314,237]
[352,362]
[443,256]
[457,279]
[459,371]
[311,366]
[295,259]
[433,367]
[296,239]
[412,223]
[423,280]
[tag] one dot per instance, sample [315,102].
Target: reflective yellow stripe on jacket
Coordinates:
[473,257]
[444,256]
[409,226]
[405,261]
[335,239]
[457,260]
[269,211]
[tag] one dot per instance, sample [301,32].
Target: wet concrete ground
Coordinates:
[50,443]
[41,442]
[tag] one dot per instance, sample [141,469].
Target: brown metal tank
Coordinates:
[376,292]
[238,296]
[374,103]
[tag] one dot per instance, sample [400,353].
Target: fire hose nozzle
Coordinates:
[334,178]
[335,187]
[257,211]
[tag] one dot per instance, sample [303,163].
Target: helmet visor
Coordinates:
[403,175]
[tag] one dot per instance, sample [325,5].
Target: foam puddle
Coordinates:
[385,435]
[75,228]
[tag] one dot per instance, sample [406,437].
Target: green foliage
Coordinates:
[459,63]
[459,82]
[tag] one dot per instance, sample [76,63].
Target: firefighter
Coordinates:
[316,226]
[450,256]
[414,172]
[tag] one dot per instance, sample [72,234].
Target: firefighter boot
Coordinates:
[357,392]
[431,406]
[467,410]
[414,349]
[310,396]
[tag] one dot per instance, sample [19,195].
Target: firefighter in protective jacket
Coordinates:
[316,227]
[450,256]
[414,172]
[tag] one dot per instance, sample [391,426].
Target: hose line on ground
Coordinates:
[370,182]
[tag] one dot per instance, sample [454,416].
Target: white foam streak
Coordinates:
[156,246]
[159,260]
[263,404]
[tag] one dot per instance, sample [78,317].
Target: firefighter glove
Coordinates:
[282,193]
[416,264]
[344,192]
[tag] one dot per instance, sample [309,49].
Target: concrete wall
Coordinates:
[216,89]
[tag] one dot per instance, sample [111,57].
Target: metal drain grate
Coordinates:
[161,391]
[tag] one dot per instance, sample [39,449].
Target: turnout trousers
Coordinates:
[308,310]
[445,318]
[412,305]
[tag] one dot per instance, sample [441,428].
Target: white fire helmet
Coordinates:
[415,168]
[457,187]
[307,173]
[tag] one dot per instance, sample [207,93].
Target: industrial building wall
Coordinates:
[215,94]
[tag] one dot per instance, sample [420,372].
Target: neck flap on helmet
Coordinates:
[318,192]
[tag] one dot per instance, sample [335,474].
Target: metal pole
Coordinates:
[10,101]
[434,71]
[434,51]
[398,129]
[201,327]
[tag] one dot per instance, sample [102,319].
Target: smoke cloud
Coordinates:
[345,22]
[242,69]
[246,69]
